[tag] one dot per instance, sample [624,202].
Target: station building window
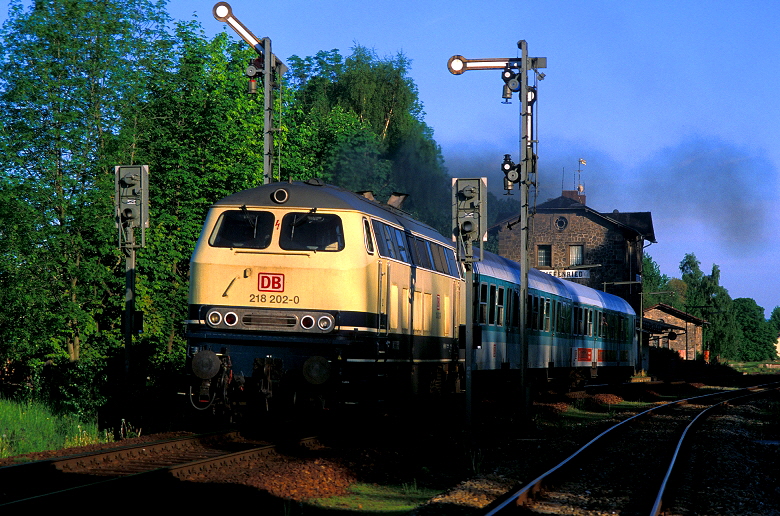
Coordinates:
[544,256]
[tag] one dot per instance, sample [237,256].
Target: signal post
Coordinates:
[469,218]
[271,68]
[514,73]
[131,201]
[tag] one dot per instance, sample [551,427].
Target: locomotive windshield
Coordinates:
[243,228]
[311,231]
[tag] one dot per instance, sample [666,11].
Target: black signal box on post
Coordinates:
[131,201]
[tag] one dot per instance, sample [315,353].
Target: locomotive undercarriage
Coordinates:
[288,376]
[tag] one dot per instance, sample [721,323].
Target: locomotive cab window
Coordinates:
[311,232]
[243,228]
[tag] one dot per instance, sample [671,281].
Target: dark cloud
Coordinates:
[714,184]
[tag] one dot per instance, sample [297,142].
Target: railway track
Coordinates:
[147,475]
[602,478]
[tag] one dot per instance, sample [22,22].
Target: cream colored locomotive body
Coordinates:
[308,289]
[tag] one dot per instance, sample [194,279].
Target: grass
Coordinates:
[376,499]
[753,367]
[28,427]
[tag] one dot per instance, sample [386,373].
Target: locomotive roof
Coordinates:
[316,194]
[504,269]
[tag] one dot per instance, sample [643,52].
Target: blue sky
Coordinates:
[672,103]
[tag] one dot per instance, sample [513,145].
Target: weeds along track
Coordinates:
[147,475]
[632,468]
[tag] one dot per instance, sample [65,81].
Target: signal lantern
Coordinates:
[511,79]
[510,170]
[132,195]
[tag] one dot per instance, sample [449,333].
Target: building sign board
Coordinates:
[569,273]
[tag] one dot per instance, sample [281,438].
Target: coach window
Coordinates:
[579,324]
[243,228]
[546,312]
[589,321]
[311,232]
[514,312]
[492,319]
[483,301]
[500,307]
[367,237]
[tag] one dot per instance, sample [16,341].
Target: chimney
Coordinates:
[575,195]
[368,194]
[397,199]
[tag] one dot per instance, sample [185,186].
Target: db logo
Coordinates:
[267,282]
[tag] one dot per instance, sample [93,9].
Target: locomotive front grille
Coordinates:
[258,319]
[270,321]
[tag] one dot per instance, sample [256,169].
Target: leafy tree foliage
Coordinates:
[758,335]
[358,123]
[658,287]
[707,299]
[774,320]
[85,87]
[69,73]
[202,137]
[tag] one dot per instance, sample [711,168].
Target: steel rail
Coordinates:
[521,497]
[174,471]
[658,503]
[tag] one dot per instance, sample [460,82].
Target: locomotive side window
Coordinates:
[243,228]
[367,237]
[400,240]
[311,232]
[423,256]
[387,231]
[395,243]
[439,259]
[453,263]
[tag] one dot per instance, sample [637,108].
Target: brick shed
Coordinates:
[688,341]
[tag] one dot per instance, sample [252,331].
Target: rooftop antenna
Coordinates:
[580,188]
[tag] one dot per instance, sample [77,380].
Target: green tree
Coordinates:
[68,72]
[201,134]
[774,319]
[358,123]
[759,337]
[657,287]
[707,299]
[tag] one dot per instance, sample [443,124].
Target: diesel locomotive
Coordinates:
[306,293]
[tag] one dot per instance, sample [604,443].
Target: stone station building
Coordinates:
[570,240]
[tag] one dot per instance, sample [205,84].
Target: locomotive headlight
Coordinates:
[307,322]
[231,318]
[325,323]
[214,318]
